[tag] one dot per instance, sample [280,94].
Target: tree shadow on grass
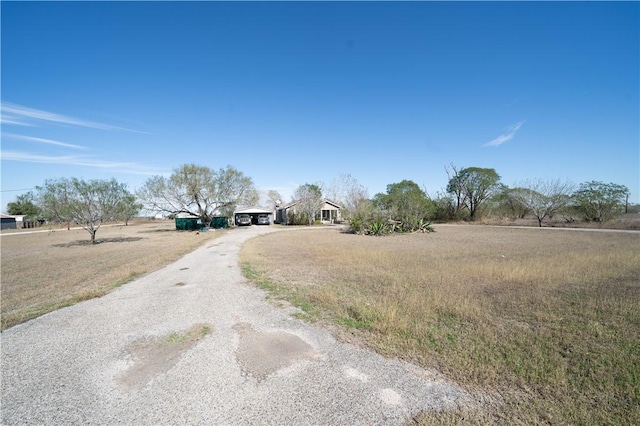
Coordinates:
[99,241]
[153,231]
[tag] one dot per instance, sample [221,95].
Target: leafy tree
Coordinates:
[24,204]
[600,202]
[87,203]
[473,186]
[405,202]
[200,191]
[365,214]
[309,197]
[507,205]
[128,208]
[543,198]
[445,206]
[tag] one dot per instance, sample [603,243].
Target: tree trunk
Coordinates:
[92,232]
[626,204]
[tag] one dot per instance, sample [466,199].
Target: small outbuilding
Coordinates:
[20,221]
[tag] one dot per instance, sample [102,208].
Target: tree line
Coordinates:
[85,203]
[405,207]
[473,191]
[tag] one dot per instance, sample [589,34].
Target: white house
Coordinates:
[330,212]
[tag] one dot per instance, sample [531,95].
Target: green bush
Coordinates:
[297,218]
[356,225]
[373,221]
[378,227]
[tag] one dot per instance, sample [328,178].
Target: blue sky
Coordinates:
[297,92]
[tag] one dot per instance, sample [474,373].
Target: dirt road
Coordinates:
[193,343]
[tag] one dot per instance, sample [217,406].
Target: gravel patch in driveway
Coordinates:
[200,346]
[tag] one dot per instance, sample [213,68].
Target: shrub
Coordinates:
[372,221]
[378,227]
[424,226]
[296,218]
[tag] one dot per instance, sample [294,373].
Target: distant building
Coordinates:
[7,222]
[20,222]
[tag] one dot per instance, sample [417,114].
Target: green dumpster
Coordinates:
[188,223]
[219,222]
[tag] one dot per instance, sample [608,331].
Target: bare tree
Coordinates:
[275,198]
[309,197]
[200,191]
[348,192]
[454,189]
[543,198]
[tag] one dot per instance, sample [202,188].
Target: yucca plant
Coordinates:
[378,227]
[424,226]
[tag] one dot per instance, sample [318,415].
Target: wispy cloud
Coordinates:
[10,119]
[23,116]
[511,132]
[78,160]
[42,140]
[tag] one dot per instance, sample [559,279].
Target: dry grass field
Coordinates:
[542,324]
[42,272]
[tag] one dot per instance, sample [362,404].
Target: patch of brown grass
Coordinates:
[42,272]
[546,321]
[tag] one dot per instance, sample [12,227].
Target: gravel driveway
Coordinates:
[193,343]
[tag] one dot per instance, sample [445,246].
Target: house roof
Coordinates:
[286,206]
[333,203]
[253,211]
[293,203]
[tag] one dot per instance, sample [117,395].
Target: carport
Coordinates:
[8,222]
[254,213]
